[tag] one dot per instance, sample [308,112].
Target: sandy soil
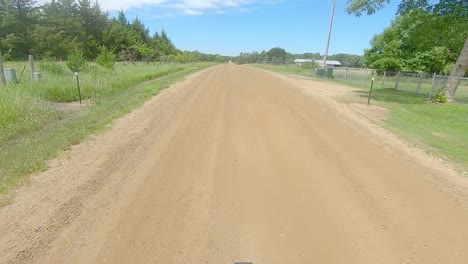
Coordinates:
[240,164]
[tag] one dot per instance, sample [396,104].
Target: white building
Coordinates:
[330,64]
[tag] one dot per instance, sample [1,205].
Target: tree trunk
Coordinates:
[459,70]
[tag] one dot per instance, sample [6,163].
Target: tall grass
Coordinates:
[21,113]
[33,129]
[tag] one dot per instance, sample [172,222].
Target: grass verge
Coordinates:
[439,128]
[34,130]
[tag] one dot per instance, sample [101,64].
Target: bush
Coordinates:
[439,98]
[76,61]
[51,67]
[106,58]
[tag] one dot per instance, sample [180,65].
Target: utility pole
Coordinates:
[329,34]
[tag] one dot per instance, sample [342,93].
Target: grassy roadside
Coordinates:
[33,129]
[441,129]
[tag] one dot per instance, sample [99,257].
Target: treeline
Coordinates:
[426,38]
[281,56]
[57,28]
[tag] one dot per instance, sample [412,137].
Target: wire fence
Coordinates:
[422,84]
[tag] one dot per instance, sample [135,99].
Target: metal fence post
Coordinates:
[346,74]
[398,80]
[31,66]
[365,79]
[433,85]
[418,91]
[2,71]
[383,79]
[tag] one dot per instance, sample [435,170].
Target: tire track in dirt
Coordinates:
[238,164]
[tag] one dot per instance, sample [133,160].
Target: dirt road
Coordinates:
[238,164]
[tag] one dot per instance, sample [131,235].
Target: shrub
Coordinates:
[76,61]
[439,98]
[51,67]
[106,58]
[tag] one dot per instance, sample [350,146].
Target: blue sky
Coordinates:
[229,27]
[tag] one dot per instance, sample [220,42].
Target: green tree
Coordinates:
[76,61]
[93,22]
[277,55]
[59,31]
[440,16]
[106,58]
[17,22]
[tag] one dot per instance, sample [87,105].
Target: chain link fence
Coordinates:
[422,84]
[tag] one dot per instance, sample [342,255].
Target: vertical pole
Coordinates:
[329,34]
[383,80]
[31,66]
[433,85]
[78,83]
[2,71]
[418,91]
[365,78]
[398,80]
[346,74]
[370,92]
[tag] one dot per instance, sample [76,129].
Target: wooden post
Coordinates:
[2,71]
[31,66]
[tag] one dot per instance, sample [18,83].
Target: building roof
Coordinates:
[303,61]
[319,62]
[329,62]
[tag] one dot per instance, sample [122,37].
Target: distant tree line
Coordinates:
[280,56]
[420,41]
[57,28]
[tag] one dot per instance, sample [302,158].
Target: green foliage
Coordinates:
[58,27]
[439,97]
[358,7]
[76,61]
[348,60]
[418,41]
[51,67]
[22,113]
[280,56]
[34,130]
[440,7]
[106,58]
[277,55]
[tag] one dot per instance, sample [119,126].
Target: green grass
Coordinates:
[33,130]
[439,128]
[292,69]
[442,127]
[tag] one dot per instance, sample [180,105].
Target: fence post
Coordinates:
[346,74]
[365,79]
[383,79]
[2,71]
[418,91]
[398,80]
[31,65]
[433,85]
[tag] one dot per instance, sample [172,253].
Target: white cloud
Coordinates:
[167,15]
[188,7]
[192,12]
